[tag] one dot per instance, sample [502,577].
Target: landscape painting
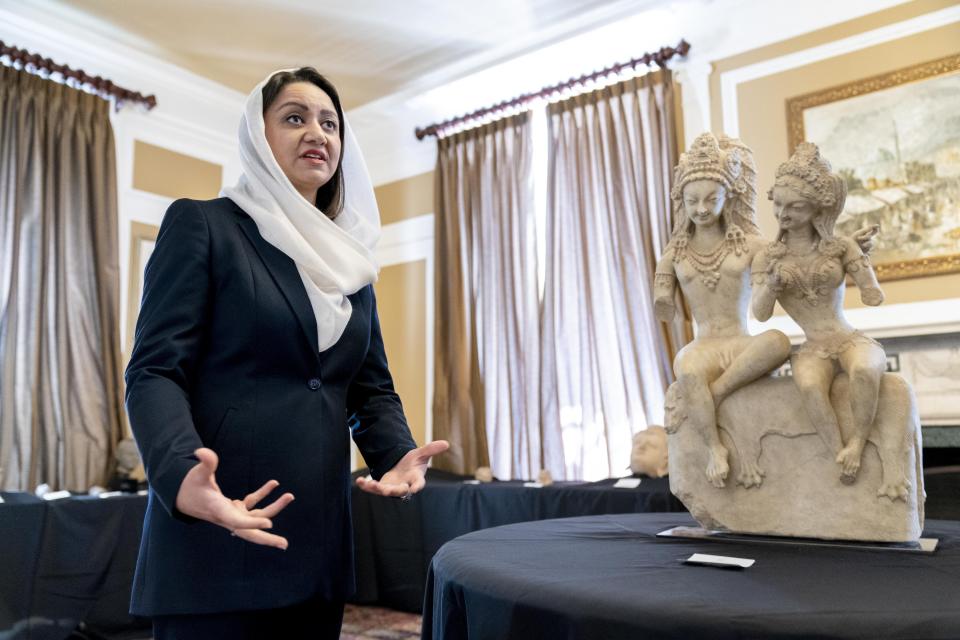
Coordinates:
[896,140]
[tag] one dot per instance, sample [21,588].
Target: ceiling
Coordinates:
[369,48]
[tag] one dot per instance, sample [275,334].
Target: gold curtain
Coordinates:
[60,385]
[606,359]
[487,345]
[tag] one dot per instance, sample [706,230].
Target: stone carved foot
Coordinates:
[849,460]
[898,490]
[718,468]
[895,484]
[751,475]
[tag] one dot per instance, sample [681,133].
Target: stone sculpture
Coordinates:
[649,453]
[483,474]
[545,478]
[805,269]
[715,238]
[832,452]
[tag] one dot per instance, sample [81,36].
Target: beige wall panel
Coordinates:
[406,198]
[816,38]
[173,174]
[762,102]
[402,303]
[763,126]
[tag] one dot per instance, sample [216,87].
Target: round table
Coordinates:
[610,577]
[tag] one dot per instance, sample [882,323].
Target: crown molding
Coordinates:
[39,29]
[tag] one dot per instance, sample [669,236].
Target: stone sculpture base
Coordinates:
[765,427]
[923,545]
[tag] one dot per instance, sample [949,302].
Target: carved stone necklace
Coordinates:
[808,280]
[708,264]
[808,276]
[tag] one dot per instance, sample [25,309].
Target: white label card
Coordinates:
[534,485]
[719,561]
[627,483]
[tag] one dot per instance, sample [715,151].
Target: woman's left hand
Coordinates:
[407,476]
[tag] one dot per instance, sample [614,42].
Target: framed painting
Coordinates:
[896,140]
[143,238]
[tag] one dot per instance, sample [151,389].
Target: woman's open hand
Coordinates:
[407,476]
[200,497]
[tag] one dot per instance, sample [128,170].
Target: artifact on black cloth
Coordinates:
[649,454]
[832,452]
[129,474]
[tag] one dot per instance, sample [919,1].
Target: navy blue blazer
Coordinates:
[225,356]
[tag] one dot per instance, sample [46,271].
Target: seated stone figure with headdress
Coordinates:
[786,435]
[714,239]
[804,269]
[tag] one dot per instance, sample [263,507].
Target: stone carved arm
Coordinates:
[665,288]
[866,237]
[857,264]
[767,285]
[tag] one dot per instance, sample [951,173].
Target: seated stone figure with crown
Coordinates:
[714,240]
[784,435]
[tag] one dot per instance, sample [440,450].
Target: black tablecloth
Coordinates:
[66,561]
[395,541]
[609,577]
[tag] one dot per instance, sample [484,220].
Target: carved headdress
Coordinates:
[724,160]
[814,176]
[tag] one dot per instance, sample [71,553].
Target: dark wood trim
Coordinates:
[35,63]
[659,57]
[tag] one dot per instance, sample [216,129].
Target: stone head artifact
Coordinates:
[649,454]
[807,178]
[726,162]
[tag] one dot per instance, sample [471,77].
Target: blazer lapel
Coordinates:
[284,272]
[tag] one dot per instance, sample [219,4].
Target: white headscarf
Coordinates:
[334,257]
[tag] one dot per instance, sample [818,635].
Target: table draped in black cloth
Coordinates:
[394,541]
[610,577]
[65,562]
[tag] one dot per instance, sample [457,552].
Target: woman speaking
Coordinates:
[257,354]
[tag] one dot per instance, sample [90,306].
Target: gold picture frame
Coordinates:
[882,134]
[143,238]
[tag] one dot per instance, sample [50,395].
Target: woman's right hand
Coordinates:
[200,497]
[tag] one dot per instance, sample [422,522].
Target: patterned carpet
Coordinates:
[374,623]
[359,623]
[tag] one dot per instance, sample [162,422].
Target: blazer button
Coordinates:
[314,384]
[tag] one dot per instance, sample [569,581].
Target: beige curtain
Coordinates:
[487,334]
[606,360]
[60,388]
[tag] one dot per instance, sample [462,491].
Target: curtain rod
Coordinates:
[660,57]
[102,86]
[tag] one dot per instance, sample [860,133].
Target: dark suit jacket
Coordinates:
[226,357]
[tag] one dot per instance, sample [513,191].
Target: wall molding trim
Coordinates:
[730,80]
[889,321]
[895,320]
